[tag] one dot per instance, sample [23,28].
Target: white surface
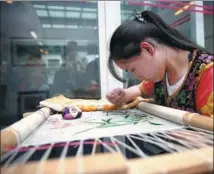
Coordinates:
[46,134]
[108,21]
[197,24]
[113,20]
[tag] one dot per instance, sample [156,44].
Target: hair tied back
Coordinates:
[139,17]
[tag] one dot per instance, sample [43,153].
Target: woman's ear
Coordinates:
[147,46]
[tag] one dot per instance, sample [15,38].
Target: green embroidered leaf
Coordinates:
[106,121]
[153,123]
[126,116]
[113,125]
[128,119]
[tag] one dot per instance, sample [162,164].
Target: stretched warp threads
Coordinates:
[16,133]
[13,135]
[178,116]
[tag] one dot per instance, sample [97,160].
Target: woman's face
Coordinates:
[149,65]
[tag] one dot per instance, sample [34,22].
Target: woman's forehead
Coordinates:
[121,61]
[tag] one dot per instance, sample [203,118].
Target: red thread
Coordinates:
[165,6]
[180,23]
[183,3]
[179,20]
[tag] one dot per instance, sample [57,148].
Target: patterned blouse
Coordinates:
[196,92]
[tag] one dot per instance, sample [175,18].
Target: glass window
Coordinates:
[178,14]
[208,26]
[42,13]
[47,48]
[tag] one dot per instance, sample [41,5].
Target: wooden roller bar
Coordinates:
[189,162]
[15,134]
[178,116]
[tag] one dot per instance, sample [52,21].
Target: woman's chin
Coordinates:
[148,79]
[153,80]
[158,79]
[139,78]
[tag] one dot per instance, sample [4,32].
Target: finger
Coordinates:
[119,101]
[110,95]
[118,91]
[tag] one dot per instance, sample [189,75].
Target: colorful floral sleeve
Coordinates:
[147,88]
[204,92]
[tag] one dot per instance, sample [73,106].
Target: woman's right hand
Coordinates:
[116,96]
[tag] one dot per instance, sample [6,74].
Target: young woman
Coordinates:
[175,71]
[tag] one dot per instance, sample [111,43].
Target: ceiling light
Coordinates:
[39,6]
[56,7]
[89,9]
[58,26]
[42,13]
[56,13]
[72,14]
[73,8]
[33,34]
[46,25]
[72,26]
[89,15]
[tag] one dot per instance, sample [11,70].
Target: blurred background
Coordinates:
[49,48]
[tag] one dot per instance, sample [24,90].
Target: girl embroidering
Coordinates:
[177,72]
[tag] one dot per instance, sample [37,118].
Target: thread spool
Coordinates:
[71,112]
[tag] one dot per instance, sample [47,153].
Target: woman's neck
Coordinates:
[177,64]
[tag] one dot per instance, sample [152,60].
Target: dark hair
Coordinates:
[125,42]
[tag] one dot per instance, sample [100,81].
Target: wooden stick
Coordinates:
[13,135]
[199,121]
[9,139]
[98,164]
[178,116]
[198,161]
[189,162]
